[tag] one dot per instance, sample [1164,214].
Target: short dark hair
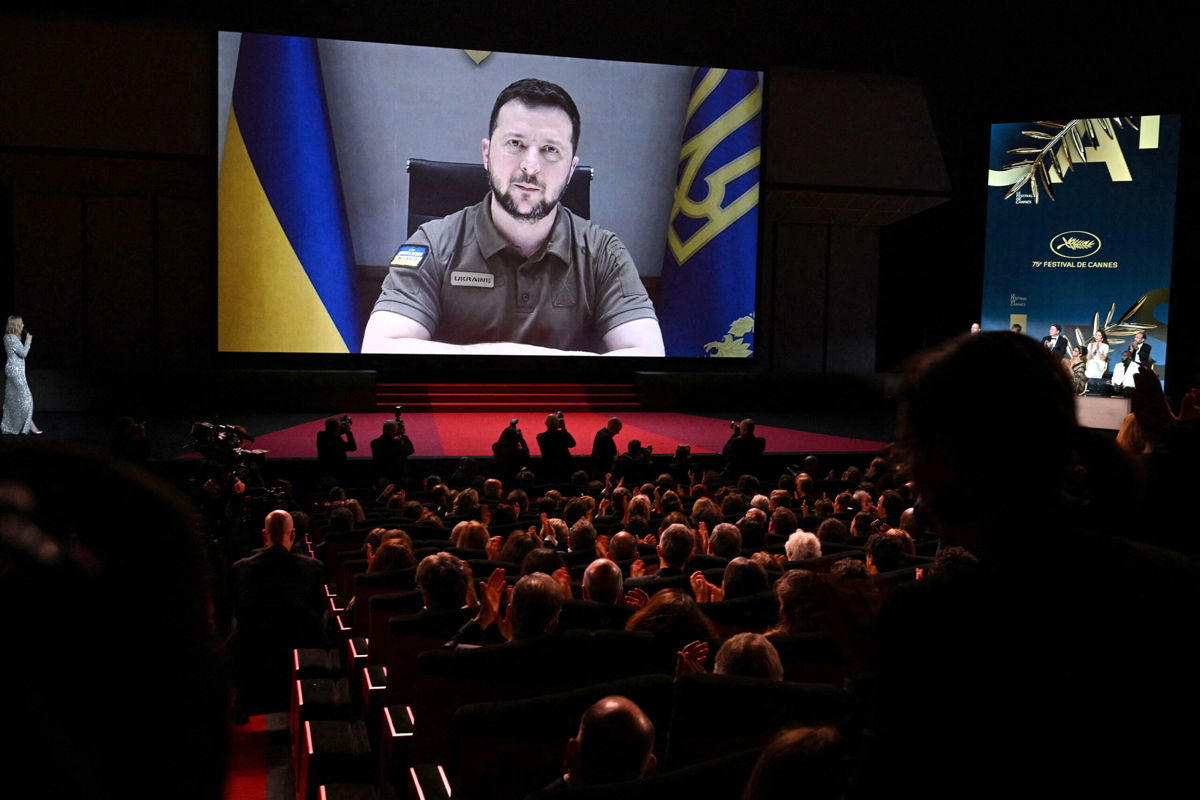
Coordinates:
[783,521]
[886,551]
[536,93]
[742,578]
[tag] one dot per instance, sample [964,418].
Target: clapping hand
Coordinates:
[691,660]
[636,599]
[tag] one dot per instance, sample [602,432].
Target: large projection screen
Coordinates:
[313,200]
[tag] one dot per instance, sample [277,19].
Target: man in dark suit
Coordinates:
[1140,349]
[604,449]
[1056,343]
[278,603]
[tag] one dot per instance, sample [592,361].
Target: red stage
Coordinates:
[472,434]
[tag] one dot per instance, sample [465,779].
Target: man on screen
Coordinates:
[517,274]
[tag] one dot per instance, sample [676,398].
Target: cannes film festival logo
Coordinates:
[1075,244]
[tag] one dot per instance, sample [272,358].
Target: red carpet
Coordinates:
[247,778]
[472,434]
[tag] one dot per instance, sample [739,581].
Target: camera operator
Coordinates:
[683,467]
[635,467]
[510,451]
[333,443]
[555,444]
[390,452]
[743,452]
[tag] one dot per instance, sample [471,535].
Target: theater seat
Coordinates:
[511,748]
[450,679]
[714,714]
[718,779]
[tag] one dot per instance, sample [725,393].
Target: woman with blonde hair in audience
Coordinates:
[471,535]
[639,506]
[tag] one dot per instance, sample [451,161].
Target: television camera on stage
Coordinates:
[222,445]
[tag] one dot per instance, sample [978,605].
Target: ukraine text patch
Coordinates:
[483,280]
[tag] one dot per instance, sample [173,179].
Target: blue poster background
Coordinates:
[1131,221]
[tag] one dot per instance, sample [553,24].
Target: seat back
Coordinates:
[717,714]
[451,678]
[371,584]
[511,748]
[410,636]
[380,609]
[755,613]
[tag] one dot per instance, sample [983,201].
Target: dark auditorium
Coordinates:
[449,400]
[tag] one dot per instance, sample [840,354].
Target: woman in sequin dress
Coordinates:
[18,400]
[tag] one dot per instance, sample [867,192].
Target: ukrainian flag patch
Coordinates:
[411,255]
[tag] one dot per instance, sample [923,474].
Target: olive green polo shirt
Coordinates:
[465,283]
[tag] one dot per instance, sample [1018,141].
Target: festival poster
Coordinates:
[1080,223]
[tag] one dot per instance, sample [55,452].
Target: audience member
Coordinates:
[278,605]
[615,743]
[748,655]
[1019,676]
[802,544]
[803,762]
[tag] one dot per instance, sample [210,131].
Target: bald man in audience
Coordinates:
[278,604]
[603,582]
[622,546]
[614,744]
[277,593]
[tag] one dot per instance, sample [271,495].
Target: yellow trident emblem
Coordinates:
[694,153]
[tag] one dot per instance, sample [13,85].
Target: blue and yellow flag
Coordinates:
[712,236]
[285,263]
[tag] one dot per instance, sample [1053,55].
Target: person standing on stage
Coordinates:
[604,448]
[18,400]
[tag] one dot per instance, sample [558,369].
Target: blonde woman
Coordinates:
[18,400]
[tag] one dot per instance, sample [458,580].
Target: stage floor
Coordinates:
[293,435]
[472,434]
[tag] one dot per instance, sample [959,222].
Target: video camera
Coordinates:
[222,444]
